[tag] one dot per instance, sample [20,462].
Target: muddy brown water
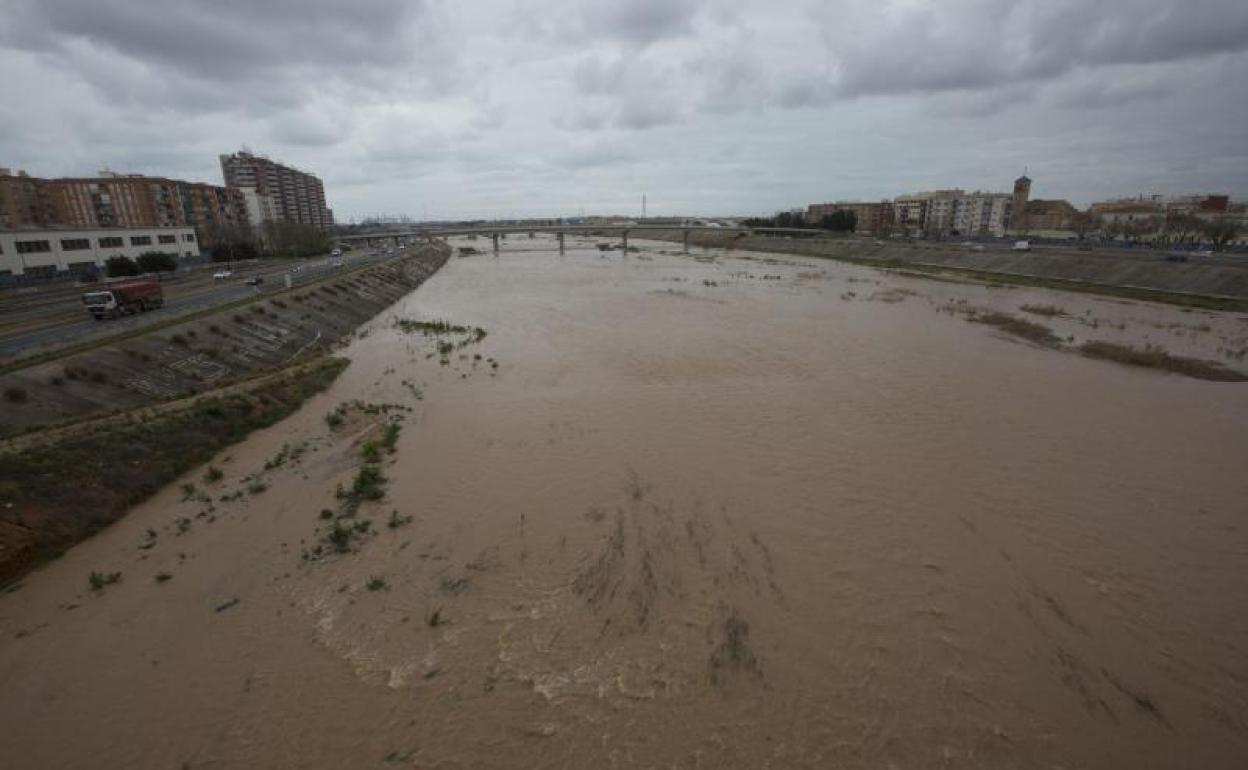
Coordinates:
[717,510]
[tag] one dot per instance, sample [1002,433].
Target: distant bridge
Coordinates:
[497,232]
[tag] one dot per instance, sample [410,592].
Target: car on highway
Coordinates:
[221,275]
[337,263]
[255,280]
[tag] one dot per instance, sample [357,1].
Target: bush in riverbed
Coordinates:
[1153,357]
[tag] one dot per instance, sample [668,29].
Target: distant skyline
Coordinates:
[496,108]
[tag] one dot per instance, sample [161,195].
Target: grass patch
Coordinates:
[390,437]
[1048,311]
[375,584]
[163,577]
[213,474]
[99,580]
[340,537]
[370,452]
[287,453]
[1153,357]
[369,483]
[1019,327]
[450,585]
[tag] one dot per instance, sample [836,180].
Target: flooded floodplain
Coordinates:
[609,509]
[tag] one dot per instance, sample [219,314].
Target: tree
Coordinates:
[840,221]
[120,266]
[230,251]
[231,242]
[288,239]
[157,262]
[790,219]
[1221,232]
[1082,223]
[1182,228]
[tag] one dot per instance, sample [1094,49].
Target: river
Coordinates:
[721,510]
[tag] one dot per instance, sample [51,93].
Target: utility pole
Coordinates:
[643,205]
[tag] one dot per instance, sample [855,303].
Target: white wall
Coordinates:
[15,264]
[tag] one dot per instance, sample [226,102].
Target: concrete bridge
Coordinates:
[498,232]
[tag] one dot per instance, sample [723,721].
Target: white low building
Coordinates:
[47,253]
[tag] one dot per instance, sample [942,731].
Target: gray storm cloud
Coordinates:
[476,106]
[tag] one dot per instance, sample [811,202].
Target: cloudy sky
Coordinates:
[483,108]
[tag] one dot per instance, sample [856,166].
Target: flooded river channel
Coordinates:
[717,510]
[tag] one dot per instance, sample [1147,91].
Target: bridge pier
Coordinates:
[559,235]
[494,237]
[685,241]
[625,233]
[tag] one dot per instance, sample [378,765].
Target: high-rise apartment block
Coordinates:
[120,200]
[275,192]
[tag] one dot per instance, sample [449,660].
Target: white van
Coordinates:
[1022,245]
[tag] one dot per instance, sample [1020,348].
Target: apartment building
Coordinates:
[23,201]
[45,253]
[982,213]
[120,200]
[1160,205]
[953,212]
[925,212]
[1048,215]
[870,217]
[277,193]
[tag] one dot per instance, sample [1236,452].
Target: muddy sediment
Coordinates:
[1219,286]
[728,510]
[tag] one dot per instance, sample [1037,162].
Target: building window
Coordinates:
[167,238]
[33,247]
[140,240]
[189,237]
[111,242]
[75,244]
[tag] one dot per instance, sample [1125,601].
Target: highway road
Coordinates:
[54,317]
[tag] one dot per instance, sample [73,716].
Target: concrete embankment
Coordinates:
[210,351]
[183,393]
[1142,276]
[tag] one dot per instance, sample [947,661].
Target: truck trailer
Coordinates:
[121,299]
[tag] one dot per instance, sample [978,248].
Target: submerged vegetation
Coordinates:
[99,580]
[1153,357]
[1149,357]
[1019,327]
